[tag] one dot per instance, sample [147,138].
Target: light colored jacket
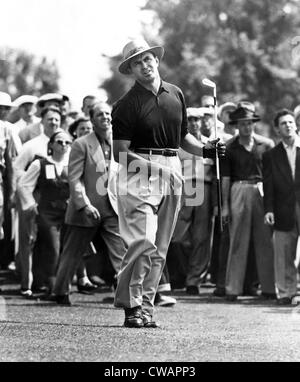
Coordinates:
[88,181]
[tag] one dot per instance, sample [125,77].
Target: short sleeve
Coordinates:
[184,124]
[123,120]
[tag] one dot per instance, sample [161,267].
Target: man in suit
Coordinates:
[281,170]
[92,205]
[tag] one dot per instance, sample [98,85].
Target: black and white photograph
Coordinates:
[150,184]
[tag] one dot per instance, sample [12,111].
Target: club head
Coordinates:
[208,83]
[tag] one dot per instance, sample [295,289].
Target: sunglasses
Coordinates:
[60,142]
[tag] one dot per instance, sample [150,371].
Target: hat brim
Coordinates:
[6,104]
[42,103]
[158,51]
[253,119]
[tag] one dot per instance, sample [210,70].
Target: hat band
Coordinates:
[134,51]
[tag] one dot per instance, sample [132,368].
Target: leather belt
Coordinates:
[249,181]
[164,152]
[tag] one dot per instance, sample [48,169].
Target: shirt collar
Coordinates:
[162,88]
[295,144]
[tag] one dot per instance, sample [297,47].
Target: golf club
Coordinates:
[211,84]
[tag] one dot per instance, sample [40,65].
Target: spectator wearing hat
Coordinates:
[223,113]
[192,236]
[208,102]
[243,204]
[281,169]
[35,129]
[49,175]
[26,105]
[221,241]
[36,147]
[8,151]
[149,124]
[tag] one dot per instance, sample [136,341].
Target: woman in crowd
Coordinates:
[48,176]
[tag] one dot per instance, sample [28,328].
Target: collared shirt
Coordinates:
[291,151]
[35,147]
[149,120]
[29,179]
[105,146]
[241,164]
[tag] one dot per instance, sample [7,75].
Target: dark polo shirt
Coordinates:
[241,164]
[149,120]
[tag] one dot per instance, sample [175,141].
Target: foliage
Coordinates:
[23,73]
[245,46]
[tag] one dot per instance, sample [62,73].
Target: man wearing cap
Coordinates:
[223,114]
[243,203]
[281,169]
[33,130]
[7,153]
[149,125]
[26,110]
[192,236]
[36,147]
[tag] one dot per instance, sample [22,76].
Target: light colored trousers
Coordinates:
[285,244]
[147,218]
[247,220]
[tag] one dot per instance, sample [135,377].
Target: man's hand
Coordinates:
[225,215]
[209,150]
[269,218]
[92,212]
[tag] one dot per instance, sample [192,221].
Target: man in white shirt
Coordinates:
[281,176]
[46,100]
[36,147]
[26,110]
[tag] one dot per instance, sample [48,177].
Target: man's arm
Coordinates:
[75,176]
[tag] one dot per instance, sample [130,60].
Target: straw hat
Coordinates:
[134,48]
[5,100]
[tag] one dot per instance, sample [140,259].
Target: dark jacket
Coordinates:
[281,191]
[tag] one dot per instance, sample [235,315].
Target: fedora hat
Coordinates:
[134,48]
[5,100]
[242,113]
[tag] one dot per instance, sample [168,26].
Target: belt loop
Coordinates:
[150,152]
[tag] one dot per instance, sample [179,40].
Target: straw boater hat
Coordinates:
[25,99]
[51,96]
[134,48]
[243,113]
[5,100]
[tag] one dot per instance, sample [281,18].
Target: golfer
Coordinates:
[149,125]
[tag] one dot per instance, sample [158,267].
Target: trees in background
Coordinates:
[23,73]
[248,47]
